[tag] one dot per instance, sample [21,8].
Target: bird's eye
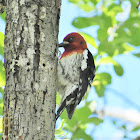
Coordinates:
[70,39]
[81,42]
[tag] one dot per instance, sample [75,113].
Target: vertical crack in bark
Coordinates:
[37,45]
[20,9]
[37,56]
[21,40]
[32,87]
[16,99]
[44,95]
[35,109]
[16,68]
[58,16]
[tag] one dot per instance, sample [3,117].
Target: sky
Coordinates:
[127,85]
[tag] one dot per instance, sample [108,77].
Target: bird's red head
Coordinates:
[73,42]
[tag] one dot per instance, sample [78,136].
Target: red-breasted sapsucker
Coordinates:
[75,71]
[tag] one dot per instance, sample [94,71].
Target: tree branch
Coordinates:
[129,115]
[138,5]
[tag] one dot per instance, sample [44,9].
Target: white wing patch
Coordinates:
[84,61]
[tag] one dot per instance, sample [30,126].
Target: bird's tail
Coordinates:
[61,109]
[70,110]
[69,104]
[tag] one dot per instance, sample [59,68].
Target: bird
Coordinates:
[75,72]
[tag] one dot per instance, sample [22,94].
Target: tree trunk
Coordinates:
[30,65]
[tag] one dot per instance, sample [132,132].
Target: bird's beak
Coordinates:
[63,44]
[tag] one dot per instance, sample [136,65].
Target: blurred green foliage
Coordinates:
[2,79]
[115,37]
[3,15]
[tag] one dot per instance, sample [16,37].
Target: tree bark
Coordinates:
[30,65]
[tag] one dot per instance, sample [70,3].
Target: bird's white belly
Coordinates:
[68,71]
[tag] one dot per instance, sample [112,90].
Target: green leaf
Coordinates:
[137,54]
[2,43]
[58,99]
[1,124]
[124,127]
[82,113]
[89,39]
[112,10]
[86,7]
[123,34]
[100,88]
[2,39]
[95,120]
[74,1]
[136,128]
[1,51]
[3,15]
[1,108]
[1,102]
[83,22]
[70,124]
[115,8]
[94,1]
[113,49]
[1,90]
[114,122]
[102,34]
[2,75]
[80,134]
[118,69]
[106,60]
[123,48]
[106,47]
[127,48]
[104,78]
[132,32]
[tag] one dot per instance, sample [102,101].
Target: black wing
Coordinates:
[86,77]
